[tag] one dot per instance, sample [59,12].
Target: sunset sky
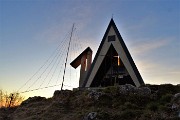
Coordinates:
[32,30]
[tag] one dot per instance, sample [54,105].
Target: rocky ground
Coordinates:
[150,102]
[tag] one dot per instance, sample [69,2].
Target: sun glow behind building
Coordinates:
[31,30]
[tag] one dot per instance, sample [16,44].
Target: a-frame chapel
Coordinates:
[112,65]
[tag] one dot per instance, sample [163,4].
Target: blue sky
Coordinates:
[30,30]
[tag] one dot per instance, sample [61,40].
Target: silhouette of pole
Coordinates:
[67,56]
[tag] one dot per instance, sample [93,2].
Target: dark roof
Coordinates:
[124,47]
[76,62]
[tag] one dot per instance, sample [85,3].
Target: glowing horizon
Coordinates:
[31,30]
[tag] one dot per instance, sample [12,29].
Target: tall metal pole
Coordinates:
[67,56]
[111,66]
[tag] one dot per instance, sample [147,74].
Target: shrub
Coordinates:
[111,89]
[167,89]
[138,99]
[103,115]
[153,106]
[166,98]
[146,115]
[164,108]
[129,105]
[104,100]
[130,114]
[11,99]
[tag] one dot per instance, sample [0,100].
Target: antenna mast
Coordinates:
[67,56]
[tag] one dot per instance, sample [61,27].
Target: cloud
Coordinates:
[154,73]
[147,45]
[175,72]
[58,26]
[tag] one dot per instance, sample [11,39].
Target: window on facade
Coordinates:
[111,38]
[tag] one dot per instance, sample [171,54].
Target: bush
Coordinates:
[104,115]
[164,108]
[11,99]
[118,101]
[153,106]
[104,100]
[146,115]
[129,105]
[138,99]
[167,89]
[130,114]
[166,98]
[111,89]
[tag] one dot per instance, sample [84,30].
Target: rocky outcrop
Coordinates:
[176,104]
[130,89]
[30,108]
[94,94]
[90,116]
[111,103]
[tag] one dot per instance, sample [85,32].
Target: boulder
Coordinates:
[176,103]
[95,95]
[128,89]
[90,116]
[144,91]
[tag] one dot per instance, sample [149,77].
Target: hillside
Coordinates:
[150,102]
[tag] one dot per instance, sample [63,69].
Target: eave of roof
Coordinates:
[77,61]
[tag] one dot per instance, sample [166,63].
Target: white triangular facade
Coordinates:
[122,52]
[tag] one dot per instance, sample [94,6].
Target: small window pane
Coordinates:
[111,38]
